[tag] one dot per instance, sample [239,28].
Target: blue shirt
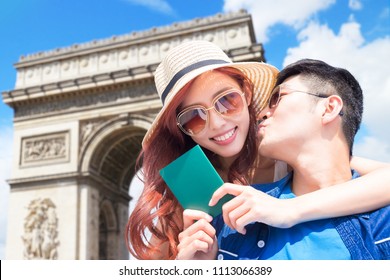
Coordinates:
[366,236]
[314,240]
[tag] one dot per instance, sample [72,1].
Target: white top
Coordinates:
[280,170]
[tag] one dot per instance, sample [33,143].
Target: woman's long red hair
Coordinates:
[156,201]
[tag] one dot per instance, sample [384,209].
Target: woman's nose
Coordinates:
[215,120]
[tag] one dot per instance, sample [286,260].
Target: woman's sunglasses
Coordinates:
[192,120]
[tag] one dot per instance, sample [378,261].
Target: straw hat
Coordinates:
[190,59]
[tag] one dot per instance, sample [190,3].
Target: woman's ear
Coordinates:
[248,96]
[333,108]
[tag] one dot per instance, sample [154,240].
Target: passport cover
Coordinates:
[193,180]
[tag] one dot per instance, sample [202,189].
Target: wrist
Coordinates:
[295,212]
[304,208]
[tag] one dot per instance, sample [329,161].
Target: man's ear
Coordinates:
[333,106]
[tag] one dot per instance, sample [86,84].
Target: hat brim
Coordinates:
[262,75]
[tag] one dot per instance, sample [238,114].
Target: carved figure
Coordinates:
[40,230]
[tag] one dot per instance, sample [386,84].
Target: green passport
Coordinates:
[193,180]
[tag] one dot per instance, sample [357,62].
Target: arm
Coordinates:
[364,166]
[363,194]
[366,193]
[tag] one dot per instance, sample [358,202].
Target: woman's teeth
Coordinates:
[225,137]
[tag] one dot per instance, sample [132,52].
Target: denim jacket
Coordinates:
[366,236]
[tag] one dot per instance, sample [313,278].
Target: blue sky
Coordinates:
[354,34]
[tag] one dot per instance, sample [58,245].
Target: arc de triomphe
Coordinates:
[80,114]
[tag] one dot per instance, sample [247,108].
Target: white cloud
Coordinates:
[319,41]
[268,13]
[373,148]
[355,5]
[6,140]
[156,5]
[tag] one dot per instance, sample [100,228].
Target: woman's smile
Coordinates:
[225,138]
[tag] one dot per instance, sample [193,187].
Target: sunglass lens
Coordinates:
[229,104]
[273,101]
[193,121]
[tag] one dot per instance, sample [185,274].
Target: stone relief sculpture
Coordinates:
[88,128]
[41,230]
[45,148]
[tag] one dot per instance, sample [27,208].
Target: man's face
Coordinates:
[291,123]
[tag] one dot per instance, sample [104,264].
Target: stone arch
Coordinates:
[113,131]
[107,163]
[109,215]
[108,228]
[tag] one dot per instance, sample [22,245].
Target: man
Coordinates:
[311,121]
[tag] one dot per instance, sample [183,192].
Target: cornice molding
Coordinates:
[81,85]
[122,58]
[21,98]
[67,179]
[72,79]
[136,37]
[139,92]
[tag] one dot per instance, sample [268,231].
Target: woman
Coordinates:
[211,101]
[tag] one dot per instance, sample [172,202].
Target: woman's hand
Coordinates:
[251,205]
[197,241]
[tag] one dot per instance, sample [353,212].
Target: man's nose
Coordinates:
[264,114]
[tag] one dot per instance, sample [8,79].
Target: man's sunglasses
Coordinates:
[277,93]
